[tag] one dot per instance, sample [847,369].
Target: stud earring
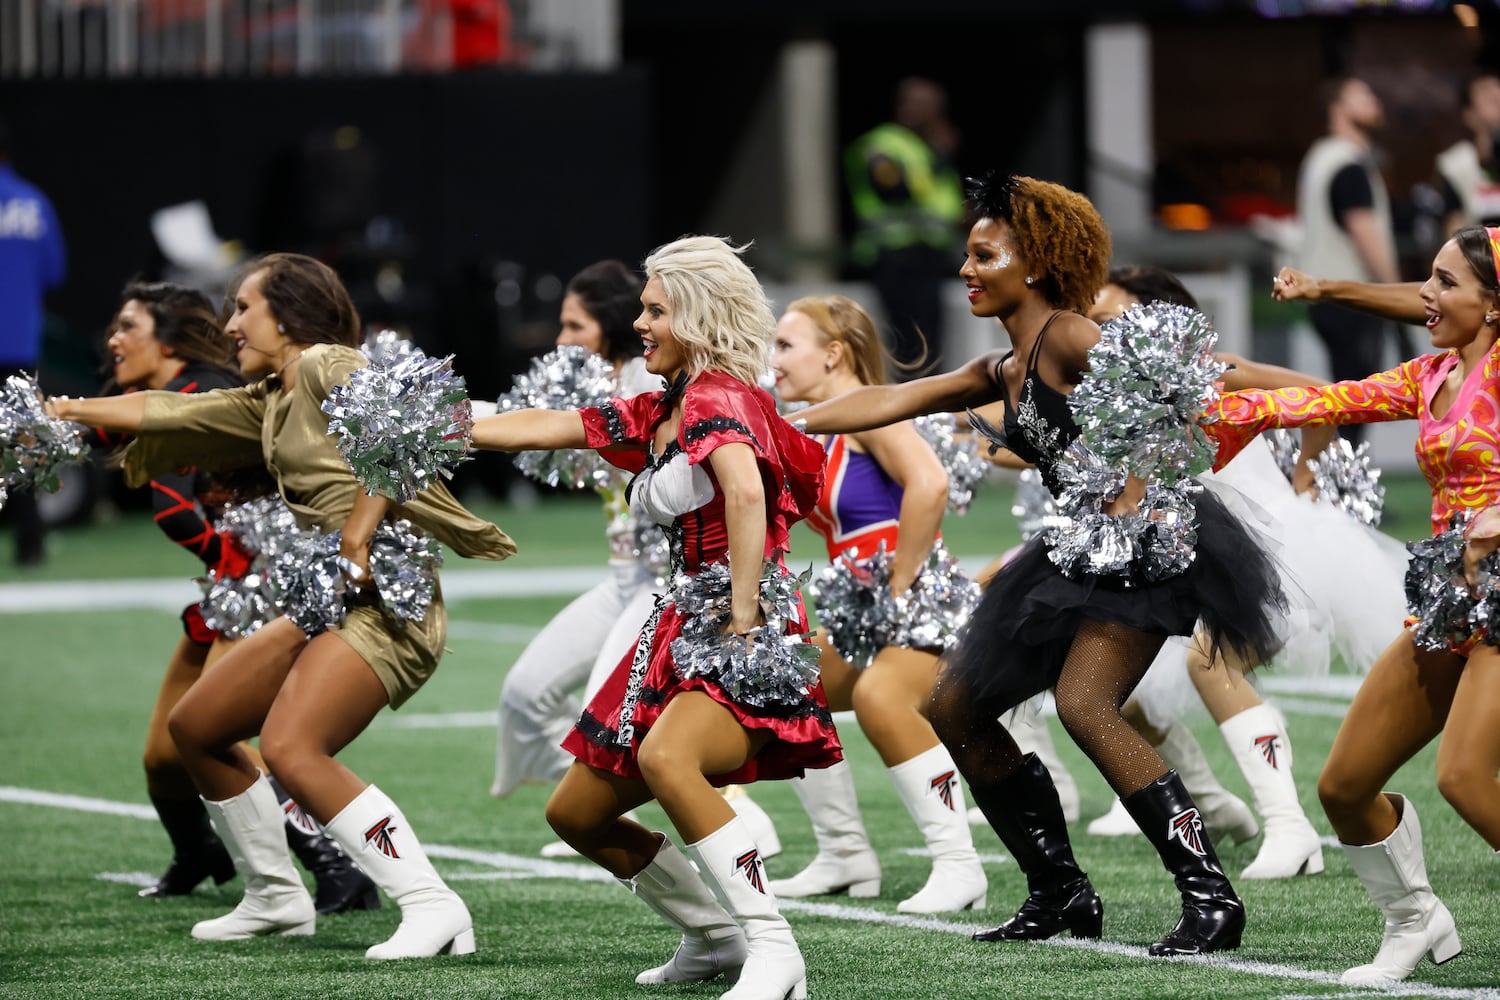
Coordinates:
[828,366]
[1030,280]
[281,328]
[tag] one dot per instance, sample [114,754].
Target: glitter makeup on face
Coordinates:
[999,262]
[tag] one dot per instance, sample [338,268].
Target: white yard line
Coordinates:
[506,865]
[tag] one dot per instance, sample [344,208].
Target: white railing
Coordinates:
[70,39]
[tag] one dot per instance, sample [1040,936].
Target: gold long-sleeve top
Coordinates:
[287,431]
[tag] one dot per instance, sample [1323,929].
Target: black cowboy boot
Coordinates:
[341,885]
[1213,918]
[1025,812]
[197,853]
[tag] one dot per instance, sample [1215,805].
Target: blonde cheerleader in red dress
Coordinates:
[1413,694]
[726,477]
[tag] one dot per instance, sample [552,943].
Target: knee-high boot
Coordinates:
[731,867]
[1257,738]
[1417,923]
[197,853]
[1024,810]
[275,900]
[713,944]
[929,788]
[434,920]
[1213,918]
[341,885]
[845,860]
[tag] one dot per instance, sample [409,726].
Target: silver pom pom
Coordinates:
[863,617]
[1155,543]
[1437,595]
[959,454]
[1033,505]
[1151,377]
[404,562]
[401,424]
[1347,479]
[1286,448]
[769,669]
[237,606]
[387,347]
[306,580]
[34,447]
[569,378]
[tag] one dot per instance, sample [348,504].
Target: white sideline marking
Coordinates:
[922,852]
[1333,686]
[436,720]
[459,628]
[141,879]
[1306,706]
[526,867]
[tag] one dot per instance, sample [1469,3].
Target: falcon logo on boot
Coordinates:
[299,820]
[1267,747]
[1187,827]
[943,785]
[751,865]
[379,837]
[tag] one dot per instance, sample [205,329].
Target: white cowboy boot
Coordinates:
[712,942]
[1416,921]
[928,785]
[275,901]
[757,819]
[845,859]
[1223,812]
[1257,738]
[731,866]
[434,921]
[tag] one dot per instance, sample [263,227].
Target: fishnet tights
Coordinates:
[1104,664]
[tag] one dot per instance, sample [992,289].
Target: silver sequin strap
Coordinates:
[638,666]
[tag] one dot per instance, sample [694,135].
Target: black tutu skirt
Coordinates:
[1018,638]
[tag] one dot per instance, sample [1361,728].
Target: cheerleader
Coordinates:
[167,337]
[306,698]
[1037,257]
[883,489]
[726,477]
[1413,694]
[1345,582]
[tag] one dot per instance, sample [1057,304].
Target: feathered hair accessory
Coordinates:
[991,194]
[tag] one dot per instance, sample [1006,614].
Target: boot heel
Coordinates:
[979,903]
[1313,865]
[463,944]
[798,990]
[367,900]
[868,889]
[301,930]
[1446,947]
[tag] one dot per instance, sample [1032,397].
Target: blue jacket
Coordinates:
[32,260]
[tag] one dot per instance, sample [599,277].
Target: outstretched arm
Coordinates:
[530,430]
[1401,301]
[110,413]
[1246,374]
[874,406]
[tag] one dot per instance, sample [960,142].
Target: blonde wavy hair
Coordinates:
[720,313]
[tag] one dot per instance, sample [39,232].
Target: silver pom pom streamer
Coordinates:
[1437,595]
[1286,448]
[1157,542]
[387,347]
[1033,505]
[236,606]
[402,424]
[959,454]
[1347,479]
[34,447]
[569,378]
[404,562]
[855,604]
[308,585]
[767,670]
[1151,377]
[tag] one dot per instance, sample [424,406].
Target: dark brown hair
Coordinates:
[1474,241]
[306,298]
[610,292]
[185,322]
[1152,284]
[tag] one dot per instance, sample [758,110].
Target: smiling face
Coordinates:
[253,327]
[800,357]
[664,353]
[993,271]
[1456,302]
[140,360]
[1111,301]
[579,326]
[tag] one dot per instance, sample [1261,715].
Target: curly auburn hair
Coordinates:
[1058,232]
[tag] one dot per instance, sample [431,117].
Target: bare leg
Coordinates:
[1469,755]
[1221,684]
[229,704]
[166,778]
[695,736]
[1401,707]
[890,701]
[586,809]
[839,678]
